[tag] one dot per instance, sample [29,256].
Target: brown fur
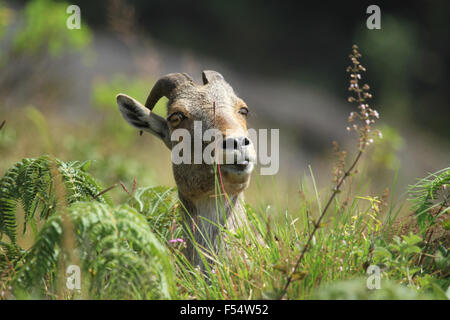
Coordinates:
[196,182]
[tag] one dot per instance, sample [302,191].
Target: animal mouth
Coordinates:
[239,169]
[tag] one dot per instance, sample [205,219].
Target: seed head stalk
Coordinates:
[366,117]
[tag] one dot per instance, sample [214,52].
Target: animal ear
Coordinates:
[142,118]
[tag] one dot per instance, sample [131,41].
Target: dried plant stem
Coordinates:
[317,224]
[104,191]
[367,116]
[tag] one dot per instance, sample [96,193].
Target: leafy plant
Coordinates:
[429,193]
[118,254]
[115,247]
[33,183]
[399,255]
[402,257]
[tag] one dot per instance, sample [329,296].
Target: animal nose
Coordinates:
[235,143]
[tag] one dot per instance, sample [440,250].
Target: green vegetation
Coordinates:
[96,201]
[124,250]
[128,241]
[39,32]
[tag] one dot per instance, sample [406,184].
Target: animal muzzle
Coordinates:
[238,156]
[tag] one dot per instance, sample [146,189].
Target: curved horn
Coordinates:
[210,76]
[165,86]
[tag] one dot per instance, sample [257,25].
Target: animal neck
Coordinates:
[204,215]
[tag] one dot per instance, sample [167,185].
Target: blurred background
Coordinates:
[285,59]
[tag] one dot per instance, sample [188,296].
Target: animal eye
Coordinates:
[176,118]
[243,111]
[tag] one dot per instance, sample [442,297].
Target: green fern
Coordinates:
[115,248]
[430,192]
[117,253]
[31,183]
[9,257]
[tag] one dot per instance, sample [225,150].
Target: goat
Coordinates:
[215,105]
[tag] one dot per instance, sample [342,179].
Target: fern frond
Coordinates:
[81,186]
[9,199]
[10,256]
[430,192]
[31,183]
[119,255]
